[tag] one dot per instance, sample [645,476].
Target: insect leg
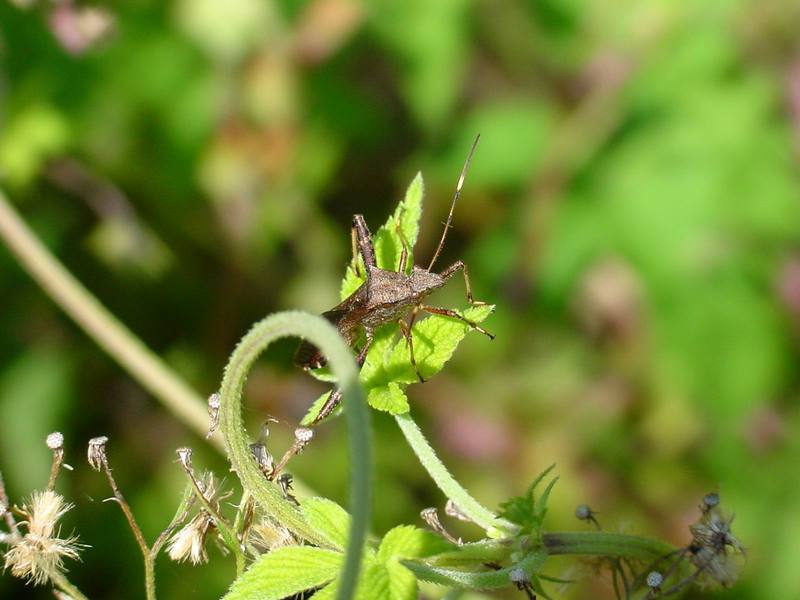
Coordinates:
[405,329]
[446,312]
[362,355]
[363,240]
[336,395]
[451,270]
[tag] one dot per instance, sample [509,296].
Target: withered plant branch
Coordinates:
[149,571]
[5,506]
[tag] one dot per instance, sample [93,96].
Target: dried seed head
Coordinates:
[55,441]
[431,517]
[266,534]
[97,452]
[189,542]
[654,580]
[285,483]
[583,512]
[302,436]
[517,575]
[709,501]
[263,458]
[39,554]
[451,509]
[214,402]
[714,548]
[185,457]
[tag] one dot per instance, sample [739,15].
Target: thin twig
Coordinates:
[65,585]
[5,506]
[55,468]
[149,571]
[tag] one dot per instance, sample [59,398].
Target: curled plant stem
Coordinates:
[322,334]
[445,480]
[65,585]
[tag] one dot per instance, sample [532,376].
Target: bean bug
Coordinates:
[388,296]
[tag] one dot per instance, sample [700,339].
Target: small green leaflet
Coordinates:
[527,510]
[286,571]
[328,518]
[387,369]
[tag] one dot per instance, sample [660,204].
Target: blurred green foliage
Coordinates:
[633,210]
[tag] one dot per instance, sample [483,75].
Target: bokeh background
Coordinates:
[633,209]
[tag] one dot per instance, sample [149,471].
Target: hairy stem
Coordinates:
[444,479]
[598,543]
[108,332]
[65,585]
[323,335]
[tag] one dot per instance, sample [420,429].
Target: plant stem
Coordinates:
[5,506]
[446,482]
[322,334]
[65,585]
[55,467]
[109,333]
[149,570]
[597,543]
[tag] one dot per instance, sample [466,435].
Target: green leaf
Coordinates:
[387,241]
[286,571]
[389,364]
[328,518]
[316,406]
[407,541]
[525,510]
[373,584]
[493,579]
[389,398]
[402,582]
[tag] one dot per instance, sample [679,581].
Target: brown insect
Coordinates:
[388,296]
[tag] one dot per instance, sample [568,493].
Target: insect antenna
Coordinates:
[456,196]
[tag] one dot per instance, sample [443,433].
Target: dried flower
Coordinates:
[214,403]
[712,547]
[189,542]
[266,463]
[654,580]
[39,554]
[55,441]
[451,509]
[285,483]
[96,453]
[185,457]
[431,517]
[267,535]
